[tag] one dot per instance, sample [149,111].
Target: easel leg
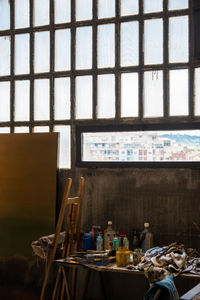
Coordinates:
[74,275]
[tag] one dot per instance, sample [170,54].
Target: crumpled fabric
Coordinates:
[44,244]
[167,287]
[159,263]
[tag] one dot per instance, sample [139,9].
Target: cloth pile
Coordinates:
[44,244]
[158,263]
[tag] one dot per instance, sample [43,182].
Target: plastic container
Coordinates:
[147,238]
[122,255]
[99,243]
[108,235]
[87,241]
[115,243]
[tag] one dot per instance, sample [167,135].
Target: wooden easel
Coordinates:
[71,242]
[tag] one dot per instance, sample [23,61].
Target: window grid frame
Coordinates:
[117,70]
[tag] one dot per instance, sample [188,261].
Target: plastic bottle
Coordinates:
[136,239]
[108,235]
[147,238]
[122,255]
[126,243]
[99,243]
[115,243]
[87,241]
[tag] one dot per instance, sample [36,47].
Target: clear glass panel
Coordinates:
[4,14]
[62,99]
[83,53]
[83,97]
[153,41]
[22,100]
[177,4]
[178,83]
[42,52]
[21,129]
[41,12]
[21,13]
[197,91]
[64,156]
[129,44]
[153,94]
[153,6]
[129,95]
[41,129]
[106,46]
[41,99]
[62,11]
[106,96]
[178,39]
[4,55]
[106,9]
[62,49]
[141,146]
[129,7]
[21,53]
[4,129]
[83,10]
[4,101]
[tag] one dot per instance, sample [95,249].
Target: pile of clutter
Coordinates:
[160,262]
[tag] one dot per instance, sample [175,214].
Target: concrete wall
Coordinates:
[167,198]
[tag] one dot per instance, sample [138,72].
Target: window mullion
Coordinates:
[141,59]
[94,59]
[12,66]
[165,60]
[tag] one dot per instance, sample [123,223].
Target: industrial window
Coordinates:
[65,63]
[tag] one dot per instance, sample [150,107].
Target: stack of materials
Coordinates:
[158,263]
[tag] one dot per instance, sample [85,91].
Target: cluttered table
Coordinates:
[156,264]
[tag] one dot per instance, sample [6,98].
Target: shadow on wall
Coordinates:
[21,278]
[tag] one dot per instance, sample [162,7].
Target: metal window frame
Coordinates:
[117,70]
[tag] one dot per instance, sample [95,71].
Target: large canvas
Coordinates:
[28,165]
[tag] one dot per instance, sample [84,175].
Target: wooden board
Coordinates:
[28,164]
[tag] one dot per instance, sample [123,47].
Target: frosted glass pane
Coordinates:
[178,4]
[41,129]
[129,95]
[21,53]
[21,129]
[178,39]
[62,11]
[129,7]
[153,41]
[153,94]
[83,10]
[4,101]
[4,14]
[4,55]
[129,44]
[62,99]
[106,46]
[4,129]
[21,13]
[41,12]
[22,100]
[106,9]
[106,96]
[197,92]
[178,83]
[83,97]
[41,99]
[62,50]
[153,6]
[64,155]
[42,52]
[83,52]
